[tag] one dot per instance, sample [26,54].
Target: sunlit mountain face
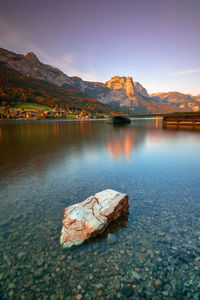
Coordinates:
[50,86]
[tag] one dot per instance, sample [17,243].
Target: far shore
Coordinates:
[76,119]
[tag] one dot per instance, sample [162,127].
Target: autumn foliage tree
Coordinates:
[15,88]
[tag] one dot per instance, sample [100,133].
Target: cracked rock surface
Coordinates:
[92,216]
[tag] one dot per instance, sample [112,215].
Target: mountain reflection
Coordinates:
[36,148]
[124,141]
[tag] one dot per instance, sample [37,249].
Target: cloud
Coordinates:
[15,38]
[9,34]
[68,64]
[68,58]
[184,72]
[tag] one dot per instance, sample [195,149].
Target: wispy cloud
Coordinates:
[68,64]
[9,34]
[184,72]
[15,38]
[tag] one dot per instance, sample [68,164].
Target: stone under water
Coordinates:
[91,217]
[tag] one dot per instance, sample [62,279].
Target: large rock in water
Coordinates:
[92,216]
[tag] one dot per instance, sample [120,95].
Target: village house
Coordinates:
[31,114]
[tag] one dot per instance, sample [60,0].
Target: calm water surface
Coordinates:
[47,165]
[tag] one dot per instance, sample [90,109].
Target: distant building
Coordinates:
[31,114]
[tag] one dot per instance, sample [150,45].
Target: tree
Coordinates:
[84,112]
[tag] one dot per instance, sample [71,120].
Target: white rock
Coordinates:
[92,216]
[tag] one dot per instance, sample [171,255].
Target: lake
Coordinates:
[46,166]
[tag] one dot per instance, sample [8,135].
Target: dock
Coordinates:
[181,119]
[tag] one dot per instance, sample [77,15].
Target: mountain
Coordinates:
[15,88]
[118,92]
[139,99]
[186,102]
[127,84]
[124,93]
[28,64]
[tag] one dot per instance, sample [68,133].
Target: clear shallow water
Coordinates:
[46,166]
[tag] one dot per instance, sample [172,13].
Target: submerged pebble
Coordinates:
[158,283]
[111,238]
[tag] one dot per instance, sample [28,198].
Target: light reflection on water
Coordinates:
[46,166]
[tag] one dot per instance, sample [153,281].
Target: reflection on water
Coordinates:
[40,144]
[48,165]
[36,146]
[181,128]
[124,141]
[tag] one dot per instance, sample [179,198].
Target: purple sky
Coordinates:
[157,42]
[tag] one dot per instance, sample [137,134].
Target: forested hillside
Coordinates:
[15,88]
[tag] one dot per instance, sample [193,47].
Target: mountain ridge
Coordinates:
[184,101]
[118,92]
[17,88]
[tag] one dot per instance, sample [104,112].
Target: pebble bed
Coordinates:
[152,253]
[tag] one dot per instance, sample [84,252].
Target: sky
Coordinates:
[156,42]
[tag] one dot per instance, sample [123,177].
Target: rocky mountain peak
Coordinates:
[28,64]
[118,82]
[119,91]
[127,84]
[30,55]
[140,89]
